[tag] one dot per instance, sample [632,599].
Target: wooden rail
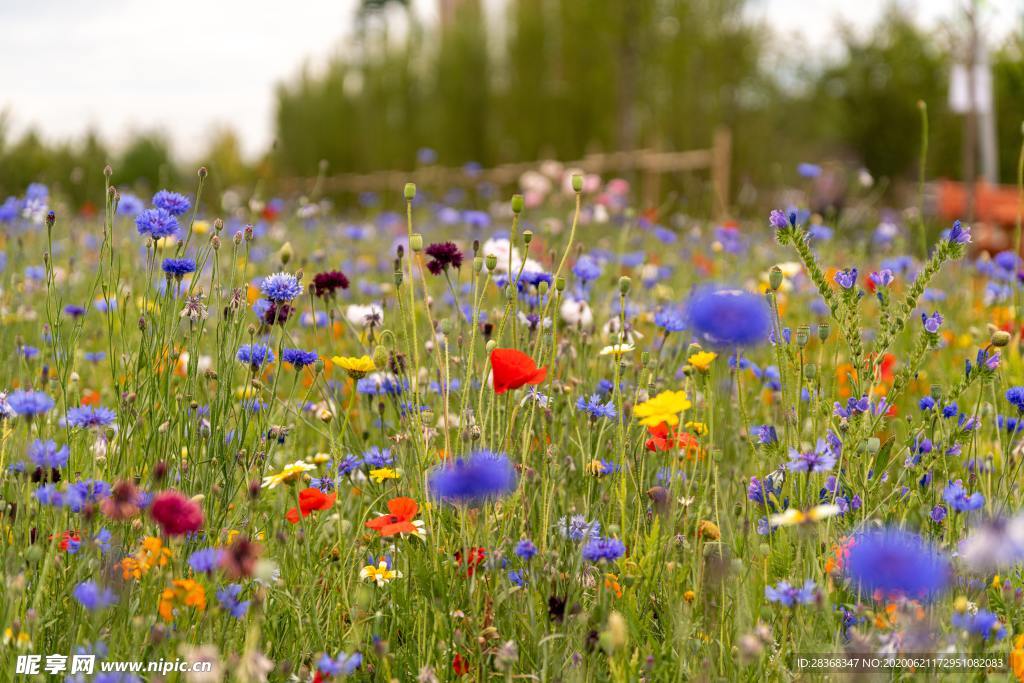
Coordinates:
[649,162]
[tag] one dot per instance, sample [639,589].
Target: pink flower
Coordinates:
[176,514]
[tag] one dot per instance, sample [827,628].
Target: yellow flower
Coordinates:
[357,368]
[702,360]
[793,516]
[183,593]
[698,428]
[611,583]
[379,475]
[379,574]
[21,640]
[617,350]
[201,227]
[247,391]
[288,473]
[665,407]
[321,458]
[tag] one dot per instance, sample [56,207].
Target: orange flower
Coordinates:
[611,582]
[181,593]
[311,499]
[90,397]
[400,520]
[151,554]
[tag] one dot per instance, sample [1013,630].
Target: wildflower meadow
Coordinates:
[542,436]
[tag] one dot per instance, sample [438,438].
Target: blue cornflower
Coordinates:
[959,500]
[926,403]
[157,223]
[951,410]
[129,205]
[791,596]
[29,403]
[932,322]
[81,493]
[206,560]
[959,234]
[576,528]
[1015,395]
[92,597]
[670,320]
[517,578]
[349,464]
[379,384]
[594,408]
[808,170]
[298,358]
[982,623]
[74,310]
[342,665]
[228,599]
[375,456]
[938,514]
[896,563]
[846,279]
[472,480]
[178,267]
[172,202]
[45,454]
[603,549]
[255,355]
[88,417]
[48,494]
[525,549]
[728,317]
[587,268]
[281,287]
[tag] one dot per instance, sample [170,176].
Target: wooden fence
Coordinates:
[650,163]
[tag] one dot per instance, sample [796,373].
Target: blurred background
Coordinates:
[269,96]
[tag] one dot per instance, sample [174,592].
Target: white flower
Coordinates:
[369,315]
[994,545]
[577,314]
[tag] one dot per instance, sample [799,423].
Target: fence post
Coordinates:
[721,152]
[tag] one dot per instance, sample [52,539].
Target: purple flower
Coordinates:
[29,403]
[228,599]
[90,596]
[882,278]
[525,549]
[178,267]
[89,417]
[728,317]
[846,278]
[45,454]
[932,322]
[298,358]
[1015,395]
[959,234]
[959,500]
[982,623]
[778,220]
[818,460]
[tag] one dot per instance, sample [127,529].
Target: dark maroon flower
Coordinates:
[240,558]
[443,255]
[326,284]
[176,514]
[277,314]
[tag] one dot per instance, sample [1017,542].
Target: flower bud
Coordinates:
[286,253]
[517,203]
[810,371]
[203,172]
[775,278]
[1000,338]
[542,287]
[478,264]
[577,183]
[527,236]
[410,191]
[492,261]
[416,242]
[624,284]
[560,283]
[491,345]
[803,335]
[823,331]
[380,356]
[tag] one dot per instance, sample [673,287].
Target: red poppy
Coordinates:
[399,521]
[311,499]
[665,439]
[459,665]
[473,559]
[513,369]
[67,538]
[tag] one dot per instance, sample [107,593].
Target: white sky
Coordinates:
[188,66]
